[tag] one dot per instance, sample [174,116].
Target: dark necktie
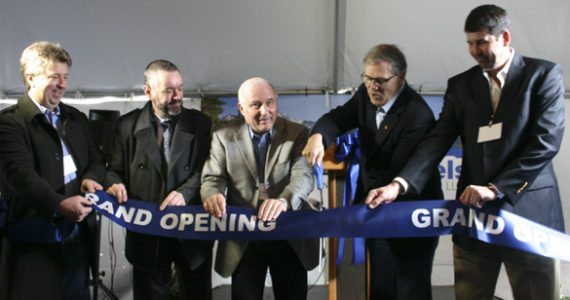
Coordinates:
[261,143]
[166,138]
[379,116]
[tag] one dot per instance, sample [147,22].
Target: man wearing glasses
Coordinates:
[392,119]
[508,110]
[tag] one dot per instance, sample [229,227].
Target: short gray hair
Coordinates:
[388,53]
[155,66]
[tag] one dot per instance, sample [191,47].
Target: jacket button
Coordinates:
[57,157]
[186,168]
[141,166]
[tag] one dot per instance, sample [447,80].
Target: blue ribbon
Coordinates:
[348,148]
[38,230]
[397,219]
[318,171]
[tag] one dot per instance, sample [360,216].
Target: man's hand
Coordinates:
[90,185]
[382,195]
[173,199]
[270,209]
[74,208]
[215,205]
[118,190]
[314,150]
[477,195]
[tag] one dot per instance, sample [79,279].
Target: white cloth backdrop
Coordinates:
[219,43]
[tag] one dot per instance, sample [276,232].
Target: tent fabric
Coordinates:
[219,43]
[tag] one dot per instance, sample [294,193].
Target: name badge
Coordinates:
[490,132]
[68,165]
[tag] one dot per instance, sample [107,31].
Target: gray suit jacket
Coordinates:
[232,166]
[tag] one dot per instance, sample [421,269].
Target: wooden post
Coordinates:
[332,168]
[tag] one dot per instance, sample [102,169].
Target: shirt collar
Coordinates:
[160,120]
[42,108]
[502,74]
[252,134]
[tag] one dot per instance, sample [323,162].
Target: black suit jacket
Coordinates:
[31,164]
[136,161]
[531,110]
[386,150]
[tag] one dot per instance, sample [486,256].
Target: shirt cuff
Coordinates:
[495,189]
[284,201]
[404,184]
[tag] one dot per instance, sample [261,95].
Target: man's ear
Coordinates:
[240,107]
[147,89]
[29,79]
[506,34]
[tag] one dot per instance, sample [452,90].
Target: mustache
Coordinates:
[174,101]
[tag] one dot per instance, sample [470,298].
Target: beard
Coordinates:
[172,108]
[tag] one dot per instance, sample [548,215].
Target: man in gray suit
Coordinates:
[157,157]
[257,162]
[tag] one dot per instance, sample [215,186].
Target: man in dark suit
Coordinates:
[158,155]
[391,119]
[509,113]
[47,159]
[258,162]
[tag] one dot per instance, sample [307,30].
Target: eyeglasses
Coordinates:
[371,80]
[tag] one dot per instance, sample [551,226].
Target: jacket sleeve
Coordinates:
[190,188]
[340,119]
[546,123]
[214,174]
[301,180]
[95,163]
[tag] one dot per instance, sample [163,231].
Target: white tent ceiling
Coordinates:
[296,44]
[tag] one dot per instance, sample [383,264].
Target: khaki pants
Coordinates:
[531,276]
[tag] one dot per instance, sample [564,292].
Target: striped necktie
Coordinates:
[166,138]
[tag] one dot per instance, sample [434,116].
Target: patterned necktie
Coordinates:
[166,137]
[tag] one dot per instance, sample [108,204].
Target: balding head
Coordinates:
[258,104]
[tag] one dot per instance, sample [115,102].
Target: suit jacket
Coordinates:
[386,150]
[31,165]
[232,166]
[531,110]
[136,161]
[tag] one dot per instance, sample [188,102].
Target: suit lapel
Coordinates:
[391,119]
[481,96]
[511,87]
[277,140]
[182,139]
[146,137]
[242,140]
